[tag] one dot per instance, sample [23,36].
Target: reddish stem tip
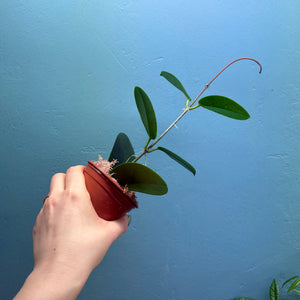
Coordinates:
[248,58]
[242,58]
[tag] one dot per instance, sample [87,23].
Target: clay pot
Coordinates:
[109,200]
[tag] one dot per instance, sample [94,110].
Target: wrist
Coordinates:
[52,282]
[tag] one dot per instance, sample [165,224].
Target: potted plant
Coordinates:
[274,291]
[112,183]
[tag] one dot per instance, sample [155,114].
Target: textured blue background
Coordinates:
[68,69]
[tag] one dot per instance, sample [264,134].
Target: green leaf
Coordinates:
[294,277]
[122,149]
[146,111]
[294,284]
[224,106]
[274,291]
[139,178]
[178,159]
[174,80]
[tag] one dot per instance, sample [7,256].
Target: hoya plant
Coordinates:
[137,176]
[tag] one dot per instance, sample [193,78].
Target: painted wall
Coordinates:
[68,69]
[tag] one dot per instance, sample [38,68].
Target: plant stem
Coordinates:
[189,107]
[147,143]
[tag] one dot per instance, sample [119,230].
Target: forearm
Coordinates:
[52,284]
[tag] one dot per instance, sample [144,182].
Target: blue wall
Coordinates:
[68,69]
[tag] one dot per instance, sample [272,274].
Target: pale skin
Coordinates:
[69,240]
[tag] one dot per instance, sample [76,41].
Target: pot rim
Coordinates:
[119,189]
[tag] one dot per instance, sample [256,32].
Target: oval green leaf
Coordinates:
[122,149]
[178,159]
[139,178]
[224,106]
[274,291]
[146,111]
[175,81]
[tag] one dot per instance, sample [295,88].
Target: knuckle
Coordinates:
[72,195]
[51,201]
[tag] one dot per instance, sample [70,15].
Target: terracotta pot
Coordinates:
[109,200]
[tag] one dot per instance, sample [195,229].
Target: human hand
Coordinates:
[69,239]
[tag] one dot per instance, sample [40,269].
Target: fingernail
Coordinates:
[129,220]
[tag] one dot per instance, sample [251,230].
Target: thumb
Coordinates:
[117,227]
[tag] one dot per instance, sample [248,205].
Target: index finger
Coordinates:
[75,180]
